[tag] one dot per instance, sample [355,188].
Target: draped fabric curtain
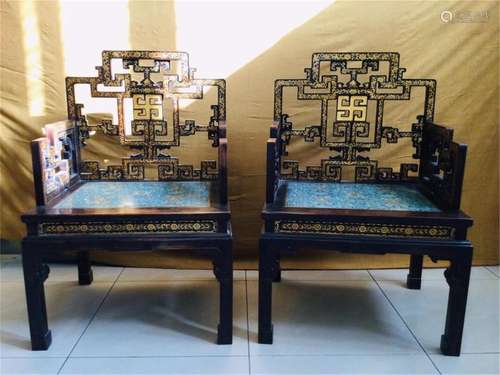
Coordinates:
[250,45]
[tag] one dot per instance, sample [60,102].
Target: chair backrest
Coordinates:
[147,97]
[146,88]
[351,90]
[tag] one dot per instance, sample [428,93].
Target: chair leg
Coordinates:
[276,269]
[414,278]
[35,273]
[457,275]
[224,273]
[266,262]
[85,275]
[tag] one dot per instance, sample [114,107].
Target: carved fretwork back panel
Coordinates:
[351,95]
[147,107]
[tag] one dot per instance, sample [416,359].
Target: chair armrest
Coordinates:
[442,166]
[223,191]
[54,160]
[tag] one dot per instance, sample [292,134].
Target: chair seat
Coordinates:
[340,209]
[133,207]
[394,197]
[138,194]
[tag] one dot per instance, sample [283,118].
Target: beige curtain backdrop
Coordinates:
[251,45]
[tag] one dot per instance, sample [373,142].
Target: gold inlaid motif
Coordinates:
[396,230]
[198,226]
[351,108]
[148,107]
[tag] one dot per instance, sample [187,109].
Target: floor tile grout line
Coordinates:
[492,272]
[367,354]
[362,354]
[90,320]
[404,322]
[151,356]
[248,325]
[173,281]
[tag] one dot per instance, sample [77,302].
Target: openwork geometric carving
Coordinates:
[353,83]
[57,156]
[154,85]
[442,164]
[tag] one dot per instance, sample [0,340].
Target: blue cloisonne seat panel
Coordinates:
[356,196]
[138,194]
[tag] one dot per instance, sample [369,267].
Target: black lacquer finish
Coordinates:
[351,83]
[59,170]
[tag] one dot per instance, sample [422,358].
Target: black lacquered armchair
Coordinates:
[350,201]
[147,199]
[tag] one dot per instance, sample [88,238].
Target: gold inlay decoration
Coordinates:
[351,108]
[365,229]
[148,107]
[198,226]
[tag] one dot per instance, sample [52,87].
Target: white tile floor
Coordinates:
[147,321]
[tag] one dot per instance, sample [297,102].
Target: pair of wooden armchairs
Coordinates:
[83,205]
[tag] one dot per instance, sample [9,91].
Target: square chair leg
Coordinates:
[35,274]
[266,277]
[85,275]
[224,272]
[276,269]
[414,279]
[457,275]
